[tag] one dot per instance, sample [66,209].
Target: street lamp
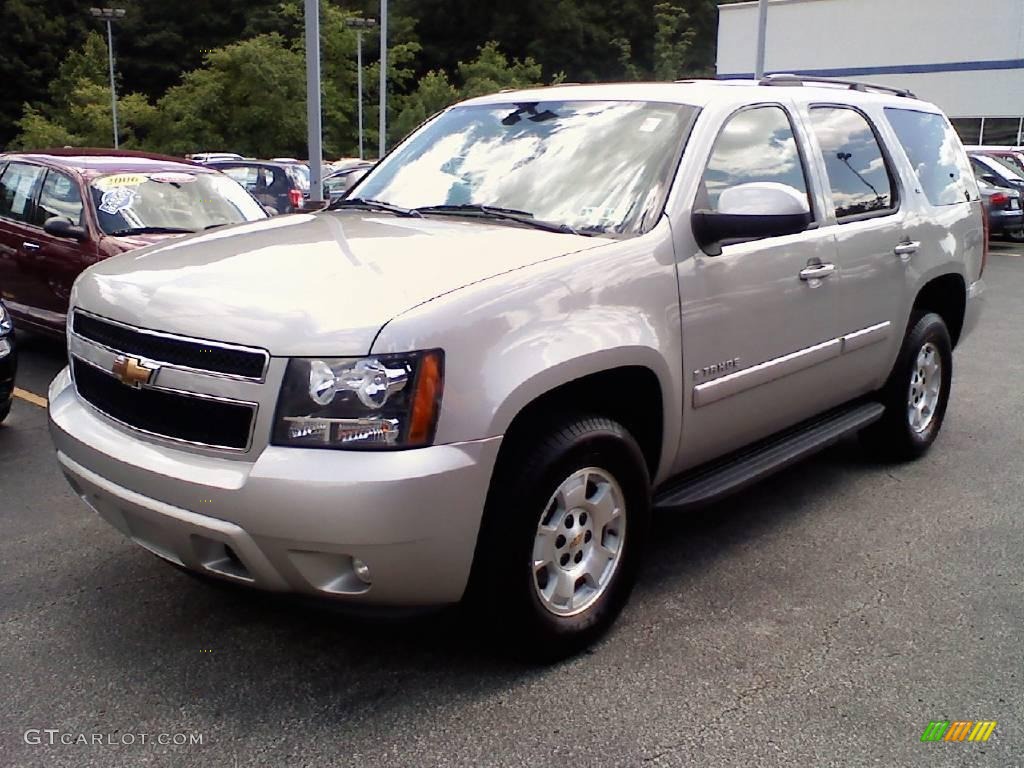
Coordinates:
[314,119]
[762,35]
[383,76]
[110,15]
[359,24]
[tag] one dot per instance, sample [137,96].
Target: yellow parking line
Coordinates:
[28,397]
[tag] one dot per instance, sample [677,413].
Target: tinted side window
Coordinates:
[936,154]
[17,189]
[857,171]
[755,145]
[60,197]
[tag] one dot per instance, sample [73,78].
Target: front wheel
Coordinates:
[564,530]
[917,392]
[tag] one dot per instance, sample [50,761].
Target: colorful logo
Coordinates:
[958,730]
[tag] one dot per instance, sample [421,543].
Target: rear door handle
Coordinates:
[31,246]
[906,250]
[817,271]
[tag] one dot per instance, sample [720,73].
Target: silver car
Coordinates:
[545,314]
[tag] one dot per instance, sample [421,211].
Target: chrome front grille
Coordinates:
[203,393]
[192,354]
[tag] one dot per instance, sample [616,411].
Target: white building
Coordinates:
[967,56]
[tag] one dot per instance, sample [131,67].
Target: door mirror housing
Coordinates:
[58,226]
[751,212]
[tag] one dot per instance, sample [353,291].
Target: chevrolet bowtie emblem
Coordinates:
[132,371]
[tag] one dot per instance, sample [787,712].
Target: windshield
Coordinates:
[1010,169]
[191,202]
[597,166]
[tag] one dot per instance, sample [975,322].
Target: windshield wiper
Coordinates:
[508,214]
[152,231]
[372,205]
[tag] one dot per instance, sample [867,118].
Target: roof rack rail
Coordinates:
[853,85]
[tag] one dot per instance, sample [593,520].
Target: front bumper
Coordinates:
[294,519]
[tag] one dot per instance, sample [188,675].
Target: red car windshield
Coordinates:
[129,203]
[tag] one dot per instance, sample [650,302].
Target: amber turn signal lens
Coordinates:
[427,400]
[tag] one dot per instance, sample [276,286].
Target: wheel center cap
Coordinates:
[577,539]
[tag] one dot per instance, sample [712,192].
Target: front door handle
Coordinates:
[817,271]
[31,246]
[906,250]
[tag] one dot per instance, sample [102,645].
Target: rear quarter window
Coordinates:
[936,154]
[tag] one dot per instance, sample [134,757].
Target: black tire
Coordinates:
[5,411]
[502,589]
[893,437]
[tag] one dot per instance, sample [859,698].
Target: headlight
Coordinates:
[385,401]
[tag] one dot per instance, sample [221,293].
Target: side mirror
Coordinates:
[750,212]
[58,226]
[991,179]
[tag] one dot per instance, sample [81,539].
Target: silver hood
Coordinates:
[308,284]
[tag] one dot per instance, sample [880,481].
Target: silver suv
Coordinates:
[544,315]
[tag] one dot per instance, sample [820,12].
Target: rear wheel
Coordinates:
[917,392]
[564,530]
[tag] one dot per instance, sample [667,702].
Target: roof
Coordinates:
[93,162]
[697,93]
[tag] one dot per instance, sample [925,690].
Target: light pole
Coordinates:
[383,76]
[359,24]
[314,124]
[762,34]
[109,15]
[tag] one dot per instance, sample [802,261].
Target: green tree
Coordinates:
[78,112]
[672,40]
[248,97]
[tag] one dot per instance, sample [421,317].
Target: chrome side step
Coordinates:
[711,482]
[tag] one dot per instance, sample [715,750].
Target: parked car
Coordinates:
[336,184]
[210,157]
[279,185]
[62,210]
[543,314]
[996,172]
[1003,209]
[1013,155]
[8,362]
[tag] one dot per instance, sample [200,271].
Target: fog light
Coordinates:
[361,569]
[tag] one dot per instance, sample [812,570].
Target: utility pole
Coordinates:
[109,15]
[313,116]
[383,76]
[762,32]
[359,24]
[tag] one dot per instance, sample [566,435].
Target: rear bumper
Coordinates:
[1001,222]
[293,520]
[972,310]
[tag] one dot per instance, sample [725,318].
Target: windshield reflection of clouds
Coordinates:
[936,154]
[591,165]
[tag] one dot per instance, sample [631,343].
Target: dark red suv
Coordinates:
[62,210]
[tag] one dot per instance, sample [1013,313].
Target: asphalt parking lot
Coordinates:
[822,618]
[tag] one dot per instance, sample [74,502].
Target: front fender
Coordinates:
[512,338]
